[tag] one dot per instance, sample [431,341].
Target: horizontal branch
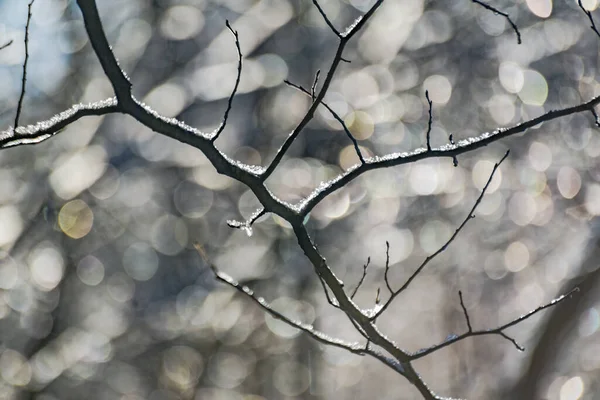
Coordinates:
[33,134]
[496,331]
[450,150]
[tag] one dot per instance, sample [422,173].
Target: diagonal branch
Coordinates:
[337,118]
[362,278]
[449,150]
[327,21]
[496,331]
[5,45]
[344,38]
[24,77]
[237,82]
[505,15]
[590,17]
[470,216]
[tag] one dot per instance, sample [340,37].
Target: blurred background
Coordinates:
[102,295]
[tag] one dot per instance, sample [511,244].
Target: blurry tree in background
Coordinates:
[114,237]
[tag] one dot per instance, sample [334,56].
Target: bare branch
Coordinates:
[43,130]
[449,150]
[344,38]
[596,119]
[505,15]
[24,77]
[362,278]
[462,304]
[237,82]
[337,118]
[118,79]
[496,331]
[314,85]
[387,267]
[319,336]
[470,215]
[430,120]
[246,226]
[327,21]
[590,17]
[5,45]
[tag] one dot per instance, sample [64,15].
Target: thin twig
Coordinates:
[362,278]
[237,82]
[313,88]
[430,120]
[462,304]
[387,267]
[596,119]
[337,118]
[505,15]
[5,45]
[24,77]
[247,225]
[496,331]
[470,216]
[327,21]
[319,336]
[590,17]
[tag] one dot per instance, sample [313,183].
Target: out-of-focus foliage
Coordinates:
[102,294]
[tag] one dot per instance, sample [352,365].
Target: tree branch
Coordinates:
[505,15]
[470,216]
[449,150]
[24,77]
[590,17]
[235,87]
[496,331]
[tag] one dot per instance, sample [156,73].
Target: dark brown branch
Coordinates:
[362,278]
[470,215]
[344,38]
[505,15]
[337,118]
[237,82]
[430,122]
[449,150]
[5,45]
[327,21]
[590,17]
[496,331]
[24,77]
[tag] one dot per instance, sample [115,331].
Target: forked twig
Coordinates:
[237,82]
[505,15]
[24,77]
[337,118]
[470,215]
[496,331]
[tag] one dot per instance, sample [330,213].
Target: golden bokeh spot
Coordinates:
[75,219]
[360,124]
